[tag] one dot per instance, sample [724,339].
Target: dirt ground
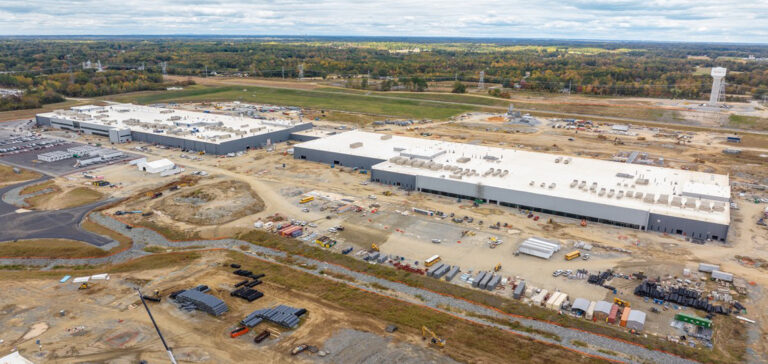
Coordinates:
[212,203]
[280,181]
[107,323]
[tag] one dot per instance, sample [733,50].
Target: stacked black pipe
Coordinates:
[680,296]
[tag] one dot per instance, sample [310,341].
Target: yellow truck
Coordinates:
[306,199]
[573,255]
[432,260]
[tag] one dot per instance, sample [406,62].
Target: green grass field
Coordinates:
[323,99]
[747,122]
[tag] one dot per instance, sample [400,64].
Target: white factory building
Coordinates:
[636,196]
[197,131]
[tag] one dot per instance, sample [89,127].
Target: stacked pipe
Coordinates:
[282,315]
[681,296]
[247,293]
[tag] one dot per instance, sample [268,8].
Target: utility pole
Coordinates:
[167,349]
[569,86]
[481,84]
[283,71]
[301,71]
[206,70]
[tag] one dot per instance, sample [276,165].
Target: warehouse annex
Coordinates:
[636,196]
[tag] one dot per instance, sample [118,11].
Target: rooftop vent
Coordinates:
[463,160]
[386,137]
[356,145]
[642,181]
[624,175]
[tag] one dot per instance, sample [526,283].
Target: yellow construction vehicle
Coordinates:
[374,247]
[387,193]
[620,302]
[84,285]
[497,267]
[433,338]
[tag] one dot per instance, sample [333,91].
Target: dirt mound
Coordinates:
[212,204]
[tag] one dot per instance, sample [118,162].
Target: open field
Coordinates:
[306,98]
[61,200]
[49,248]
[747,122]
[7,176]
[30,113]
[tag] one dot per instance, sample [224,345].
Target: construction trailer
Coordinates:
[722,276]
[708,268]
[478,277]
[452,273]
[642,197]
[553,299]
[589,314]
[695,320]
[613,315]
[538,299]
[54,156]
[519,290]
[625,316]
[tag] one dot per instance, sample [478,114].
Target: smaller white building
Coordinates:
[15,358]
[158,166]
[54,156]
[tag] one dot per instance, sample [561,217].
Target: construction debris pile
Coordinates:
[196,299]
[283,315]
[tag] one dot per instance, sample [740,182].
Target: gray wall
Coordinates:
[393,178]
[326,157]
[692,228]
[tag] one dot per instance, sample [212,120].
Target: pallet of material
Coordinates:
[253,284]
[202,302]
[247,294]
[242,272]
[282,315]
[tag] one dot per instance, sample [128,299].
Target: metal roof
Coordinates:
[604,307]
[666,191]
[637,316]
[581,304]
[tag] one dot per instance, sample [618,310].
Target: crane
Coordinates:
[434,339]
[167,349]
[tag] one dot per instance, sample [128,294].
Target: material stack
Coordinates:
[282,315]
[680,296]
[202,302]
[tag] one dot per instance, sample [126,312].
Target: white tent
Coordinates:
[15,358]
[636,320]
[157,166]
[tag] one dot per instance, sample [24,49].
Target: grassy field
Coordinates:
[37,187]
[124,241]
[30,113]
[747,122]
[50,248]
[8,176]
[75,197]
[461,335]
[306,98]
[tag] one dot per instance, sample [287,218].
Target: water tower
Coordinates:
[718,89]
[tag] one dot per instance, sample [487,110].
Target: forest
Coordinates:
[50,68]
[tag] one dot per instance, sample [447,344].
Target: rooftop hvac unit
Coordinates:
[611,192]
[718,206]
[386,137]
[677,201]
[705,206]
[574,183]
[531,184]
[486,173]
[398,149]
[690,203]
[649,198]
[663,199]
[455,176]
[463,160]
[593,187]
[506,172]
[552,185]
[558,159]
[567,160]
[620,194]
[642,181]
[602,191]
[543,184]
[496,172]
[583,185]
[638,195]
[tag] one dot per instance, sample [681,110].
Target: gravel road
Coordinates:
[143,237]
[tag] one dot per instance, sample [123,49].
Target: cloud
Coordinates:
[661,20]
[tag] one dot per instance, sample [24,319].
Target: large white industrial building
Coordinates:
[642,197]
[211,133]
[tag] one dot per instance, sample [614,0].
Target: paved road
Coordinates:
[59,224]
[143,237]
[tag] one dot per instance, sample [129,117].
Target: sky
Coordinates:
[654,20]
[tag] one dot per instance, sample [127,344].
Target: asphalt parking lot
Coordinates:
[22,151]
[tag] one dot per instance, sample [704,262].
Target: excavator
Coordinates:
[497,267]
[620,302]
[374,247]
[433,338]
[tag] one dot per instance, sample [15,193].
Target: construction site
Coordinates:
[484,224]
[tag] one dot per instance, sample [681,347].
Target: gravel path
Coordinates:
[143,237]
[14,197]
